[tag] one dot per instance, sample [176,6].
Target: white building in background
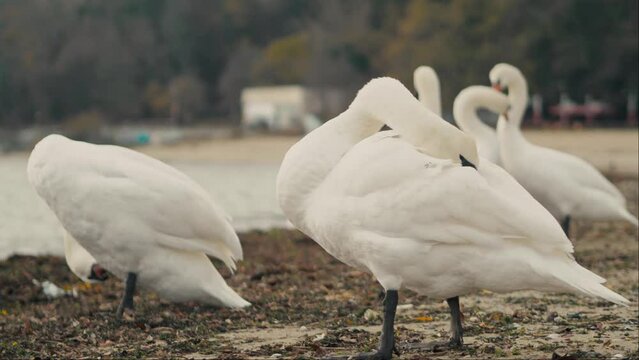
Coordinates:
[288,108]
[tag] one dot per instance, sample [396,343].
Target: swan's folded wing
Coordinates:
[168,202]
[580,171]
[389,188]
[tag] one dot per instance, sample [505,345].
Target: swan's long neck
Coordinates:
[381,101]
[465,112]
[511,139]
[518,98]
[431,98]
[428,89]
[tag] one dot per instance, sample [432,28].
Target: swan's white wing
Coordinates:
[383,185]
[118,187]
[576,169]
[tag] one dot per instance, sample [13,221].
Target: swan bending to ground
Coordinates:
[141,219]
[566,185]
[417,208]
[465,107]
[81,263]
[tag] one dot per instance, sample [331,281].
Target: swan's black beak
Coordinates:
[98,273]
[466,162]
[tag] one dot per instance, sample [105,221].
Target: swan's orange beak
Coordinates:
[497,87]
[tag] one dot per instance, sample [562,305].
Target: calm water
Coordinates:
[27,226]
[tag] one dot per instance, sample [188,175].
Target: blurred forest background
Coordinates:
[135,60]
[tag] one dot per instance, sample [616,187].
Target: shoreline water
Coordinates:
[240,174]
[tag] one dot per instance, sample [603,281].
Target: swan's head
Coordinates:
[81,263]
[425,79]
[465,150]
[89,272]
[503,76]
[475,97]
[427,85]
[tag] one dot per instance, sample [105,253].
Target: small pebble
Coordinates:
[303,328]
[405,307]
[371,315]
[276,356]
[559,320]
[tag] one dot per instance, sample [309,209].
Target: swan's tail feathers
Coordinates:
[631,218]
[230,298]
[584,281]
[219,293]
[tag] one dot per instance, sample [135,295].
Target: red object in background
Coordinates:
[590,111]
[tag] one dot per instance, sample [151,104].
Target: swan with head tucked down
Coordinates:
[465,107]
[566,185]
[416,207]
[81,263]
[142,220]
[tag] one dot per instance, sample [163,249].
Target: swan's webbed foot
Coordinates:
[381,354]
[127,298]
[378,355]
[387,340]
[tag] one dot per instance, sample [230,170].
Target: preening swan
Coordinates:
[426,83]
[141,219]
[465,107]
[566,185]
[416,207]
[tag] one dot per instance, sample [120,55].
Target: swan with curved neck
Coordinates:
[426,83]
[465,107]
[131,213]
[566,185]
[416,207]
[371,109]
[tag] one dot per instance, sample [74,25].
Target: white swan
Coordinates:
[426,83]
[465,107]
[402,205]
[141,219]
[565,184]
[81,263]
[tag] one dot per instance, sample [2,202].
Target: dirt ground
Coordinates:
[308,305]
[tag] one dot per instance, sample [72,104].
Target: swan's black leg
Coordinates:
[455,323]
[566,225]
[127,299]
[387,340]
